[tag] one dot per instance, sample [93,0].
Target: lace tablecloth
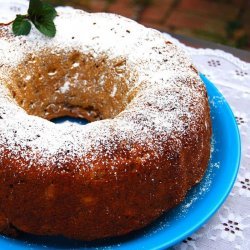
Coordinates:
[230,227]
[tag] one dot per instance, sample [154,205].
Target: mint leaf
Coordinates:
[48,11]
[42,17]
[21,26]
[40,14]
[46,26]
[35,8]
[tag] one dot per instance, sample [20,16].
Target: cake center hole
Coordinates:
[71,84]
[68,119]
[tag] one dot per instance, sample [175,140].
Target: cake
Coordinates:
[147,143]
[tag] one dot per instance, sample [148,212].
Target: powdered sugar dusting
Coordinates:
[65,87]
[168,86]
[28,77]
[113,91]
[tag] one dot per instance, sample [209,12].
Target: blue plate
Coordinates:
[200,204]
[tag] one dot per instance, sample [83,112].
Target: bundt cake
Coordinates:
[147,143]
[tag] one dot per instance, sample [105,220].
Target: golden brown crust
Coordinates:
[97,205]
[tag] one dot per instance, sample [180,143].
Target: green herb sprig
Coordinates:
[40,14]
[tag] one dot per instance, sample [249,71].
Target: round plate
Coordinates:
[199,205]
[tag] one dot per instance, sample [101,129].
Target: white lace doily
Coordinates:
[230,227]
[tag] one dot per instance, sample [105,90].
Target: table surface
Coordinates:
[199,43]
